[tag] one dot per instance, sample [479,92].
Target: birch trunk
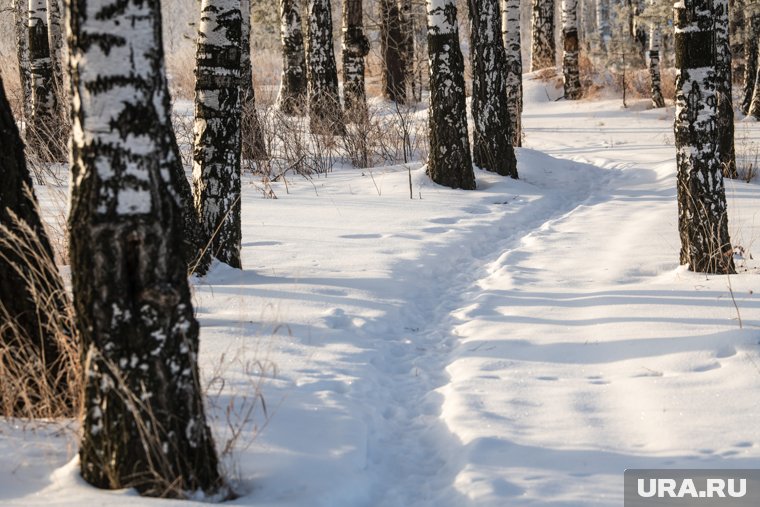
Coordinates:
[392,47]
[252,138]
[737,29]
[144,424]
[543,49]
[55,40]
[355,48]
[44,131]
[573,89]
[702,217]
[492,147]
[216,152]
[754,106]
[325,113]
[31,290]
[655,37]
[406,26]
[725,130]
[449,161]
[511,35]
[751,59]
[292,96]
[21,21]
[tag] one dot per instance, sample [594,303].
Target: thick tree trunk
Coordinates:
[44,126]
[750,59]
[725,130]
[543,48]
[32,295]
[655,38]
[510,10]
[449,161]
[573,89]
[492,147]
[325,113]
[355,48]
[702,217]
[292,96]
[21,21]
[603,24]
[216,151]
[144,423]
[392,48]
[55,40]
[252,137]
[406,27]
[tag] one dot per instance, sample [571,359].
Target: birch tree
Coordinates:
[355,48]
[510,10]
[702,217]
[44,118]
[449,161]
[55,40]
[572,81]
[144,423]
[325,113]
[725,129]
[492,147]
[407,26]
[655,39]
[32,295]
[291,98]
[252,137]
[543,48]
[750,59]
[216,152]
[21,23]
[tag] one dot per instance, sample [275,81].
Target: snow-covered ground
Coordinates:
[522,344]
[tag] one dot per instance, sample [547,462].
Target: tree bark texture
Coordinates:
[449,161]
[702,217]
[511,35]
[355,48]
[570,68]
[21,22]
[144,424]
[217,148]
[725,130]
[252,137]
[655,38]
[392,47]
[292,96]
[737,28]
[543,49]
[55,41]
[492,147]
[28,326]
[406,26]
[751,58]
[44,121]
[325,112]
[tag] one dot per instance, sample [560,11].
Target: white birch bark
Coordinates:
[511,35]
[543,54]
[655,38]
[21,22]
[291,98]
[571,71]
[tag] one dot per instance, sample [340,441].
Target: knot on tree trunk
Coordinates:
[356,43]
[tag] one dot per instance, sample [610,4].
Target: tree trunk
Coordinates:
[406,27]
[750,60]
[21,21]
[655,38]
[754,106]
[725,130]
[511,36]
[449,161]
[603,22]
[32,296]
[492,147]
[55,40]
[544,50]
[292,96]
[216,151]
[737,29]
[44,136]
[573,89]
[252,138]
[702,217]
[391,48]
[144,424]
[355,48]
[325,113]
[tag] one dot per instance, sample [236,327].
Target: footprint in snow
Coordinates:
[445,220]
[724,352]
[706,367]
[336,318]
